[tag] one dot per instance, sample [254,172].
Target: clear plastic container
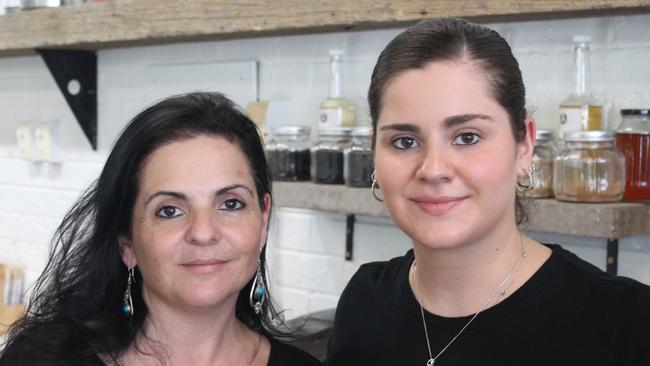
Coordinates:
[590,169]
[633,139]
[358,159]
[327,155]
[288,153]
[543,157]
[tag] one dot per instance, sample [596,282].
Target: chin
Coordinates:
[439,236]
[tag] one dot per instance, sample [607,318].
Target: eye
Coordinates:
[169,212]
[405,142]
[467,138]
[232,205]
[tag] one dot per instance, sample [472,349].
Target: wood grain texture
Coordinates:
[600,220]
[140,22]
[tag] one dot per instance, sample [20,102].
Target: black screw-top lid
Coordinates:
[635,112]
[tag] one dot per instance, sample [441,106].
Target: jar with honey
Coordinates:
[590,168]
[633,139]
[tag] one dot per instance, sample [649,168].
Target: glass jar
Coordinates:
[288,153]
[358,159]
[327,155]
[590,169]
[633,139]
[543,156]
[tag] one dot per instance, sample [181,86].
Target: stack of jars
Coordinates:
[341,155]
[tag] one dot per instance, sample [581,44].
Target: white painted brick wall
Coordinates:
[306,251]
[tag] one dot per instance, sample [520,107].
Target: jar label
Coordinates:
[332,117]
[580,117]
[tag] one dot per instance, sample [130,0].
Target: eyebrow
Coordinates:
[181,196]
[404,127]
[463,118]
[448,122]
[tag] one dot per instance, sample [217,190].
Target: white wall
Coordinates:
[307,255]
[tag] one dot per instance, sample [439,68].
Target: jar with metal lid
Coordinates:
[358,159]
[543,156]
[633,139]
[590,169]
[327,155]
[288,153]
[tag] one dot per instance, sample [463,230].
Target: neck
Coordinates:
[194,337]
[459,281]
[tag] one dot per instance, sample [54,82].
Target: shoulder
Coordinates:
[378,278]
[624,300]
[23,351]
[584,275]
[283,354]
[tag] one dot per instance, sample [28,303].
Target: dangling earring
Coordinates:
[375,186]
[530,184]
[257,296]
[127,308]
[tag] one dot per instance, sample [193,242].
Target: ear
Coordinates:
[266,215]
[526,147]
[126,251]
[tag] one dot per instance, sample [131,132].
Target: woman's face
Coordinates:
[445,157]
[197,226]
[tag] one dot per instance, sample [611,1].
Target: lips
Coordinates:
[439,205]
[204,265]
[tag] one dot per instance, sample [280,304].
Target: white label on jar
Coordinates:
[570,118]
[331,117]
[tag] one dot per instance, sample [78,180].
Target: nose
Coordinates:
[203,228]
[435,166]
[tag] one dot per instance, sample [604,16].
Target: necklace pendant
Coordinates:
[431,362]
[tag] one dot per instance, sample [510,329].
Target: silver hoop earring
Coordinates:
[375,186]
[530,184]
[257,296]
[127,308]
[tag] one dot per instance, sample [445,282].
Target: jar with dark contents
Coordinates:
[358,159]
[288,153]
[327,155]
[543,157]
[633,139]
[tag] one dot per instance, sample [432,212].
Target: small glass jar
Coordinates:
[633,139]
[288,153]
[590,169]
[327,155]
[358,159]
[543,157]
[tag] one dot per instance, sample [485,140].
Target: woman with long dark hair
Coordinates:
[162,260]
[452,146]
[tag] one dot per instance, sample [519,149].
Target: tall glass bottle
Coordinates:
[336,111]
[581,111]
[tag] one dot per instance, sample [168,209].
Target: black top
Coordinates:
[568,313]
[21,353]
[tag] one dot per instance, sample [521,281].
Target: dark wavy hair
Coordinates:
[451,39]
[78,297]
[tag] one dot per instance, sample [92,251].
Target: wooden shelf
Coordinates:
[118,23]
[603,220]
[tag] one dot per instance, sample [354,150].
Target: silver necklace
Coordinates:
[500,291]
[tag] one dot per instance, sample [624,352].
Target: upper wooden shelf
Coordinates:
[119,23]
[602,220]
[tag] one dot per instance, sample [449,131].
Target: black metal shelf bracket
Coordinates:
[612,256]
[75,72]
[349,236]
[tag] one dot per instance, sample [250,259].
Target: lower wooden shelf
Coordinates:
[601,220]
